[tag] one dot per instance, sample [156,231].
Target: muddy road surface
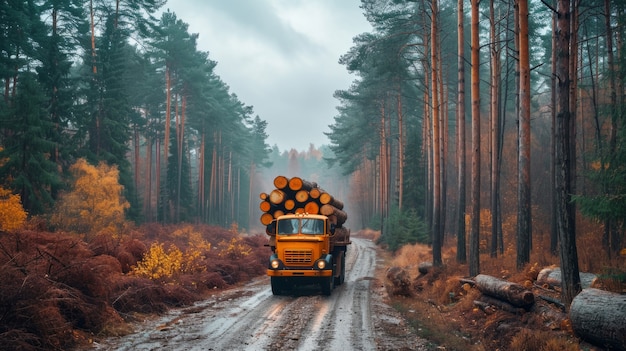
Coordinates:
[354,317]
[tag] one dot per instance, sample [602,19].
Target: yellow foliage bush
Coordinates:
[12,214]
[158,264]
[95,203]
[234,249]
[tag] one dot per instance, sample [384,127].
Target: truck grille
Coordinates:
[298,256]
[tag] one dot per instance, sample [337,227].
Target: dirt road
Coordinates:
[354,317]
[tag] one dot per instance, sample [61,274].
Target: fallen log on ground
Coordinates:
[600,317]
[552,277]
[499,304]
[512,293]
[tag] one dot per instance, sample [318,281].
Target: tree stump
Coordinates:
[398,281]
[600,317]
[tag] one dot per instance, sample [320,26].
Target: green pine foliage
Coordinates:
[26,166]
[403,227]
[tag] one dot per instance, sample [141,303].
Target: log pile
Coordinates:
[296,195]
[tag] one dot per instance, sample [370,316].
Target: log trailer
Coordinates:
[308,247]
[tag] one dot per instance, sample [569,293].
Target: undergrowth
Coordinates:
[59,291]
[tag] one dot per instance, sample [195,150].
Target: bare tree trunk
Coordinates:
[201,176]
[436,229]
[168,117]
[147,204]
[524,229]
[554,239]
[565,217]
[400,148]
[474,261]
[495,129]
[461,255]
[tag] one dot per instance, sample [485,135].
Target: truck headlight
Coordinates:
[275,263]
[321,264]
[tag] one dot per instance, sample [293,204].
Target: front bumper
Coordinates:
[299,273]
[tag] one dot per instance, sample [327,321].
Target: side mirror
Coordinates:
[332,229]
[270,229]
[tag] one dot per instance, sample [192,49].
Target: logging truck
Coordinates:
[307,236]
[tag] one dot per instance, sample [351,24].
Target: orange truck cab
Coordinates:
[306,251]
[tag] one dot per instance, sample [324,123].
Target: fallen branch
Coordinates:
[553,301]
[502,305]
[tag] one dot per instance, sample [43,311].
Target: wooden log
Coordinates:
[278,213]
[315,193]
[295,183]
[281,182]
[277,197]
[341,236]
[512,293]
[263,196]
[327,199]
[302,196]
[600,317]
[312,207]
[552,277]
[266,218]
[299,210]
[329,210]
[500,304]
[265,206]
[553,301]
[289,205]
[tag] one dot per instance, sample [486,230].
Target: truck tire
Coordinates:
[277,285]
[328,284]
[342,270]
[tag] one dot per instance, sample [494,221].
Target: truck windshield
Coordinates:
[288,226]
[312,226]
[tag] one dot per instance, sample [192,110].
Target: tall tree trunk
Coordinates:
[168,118]
[461,255]
[573,100]
[609,225]
[474,247]
[180,138]
[524,229]
[565,216]
[554,238]
[400,148]
[427,150]
[147,198]
[201,176]
[435,118]
[495,129]
[383,169]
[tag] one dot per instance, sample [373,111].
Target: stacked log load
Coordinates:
[296,195]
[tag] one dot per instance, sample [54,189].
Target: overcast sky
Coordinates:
[281,57]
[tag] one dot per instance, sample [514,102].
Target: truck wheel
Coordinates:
[277,285]
[328,285]
[342,270]
[342,276]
